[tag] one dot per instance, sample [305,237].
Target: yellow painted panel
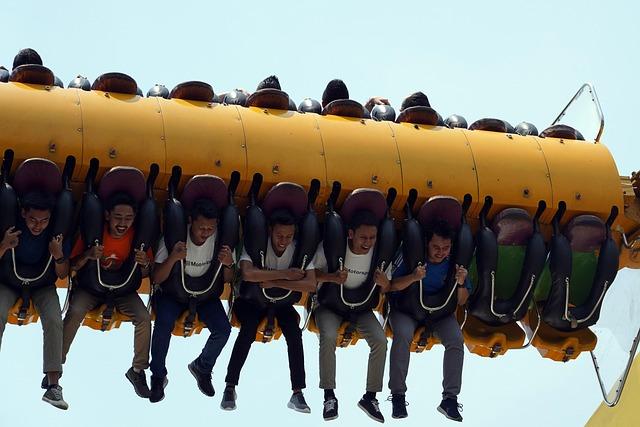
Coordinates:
[40,121]
[511,169]
[203,138]
[360,153]
[122,130]
[583,175]
[435,161]
[283,146]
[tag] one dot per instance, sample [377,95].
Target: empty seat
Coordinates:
[492,125]
[344,108]
[193,91]
[32,74]
[269,98]
[561,131]
[116,83]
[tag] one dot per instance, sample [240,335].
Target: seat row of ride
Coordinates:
[550,288]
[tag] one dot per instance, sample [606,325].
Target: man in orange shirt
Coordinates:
[117,240]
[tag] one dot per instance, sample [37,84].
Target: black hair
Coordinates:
[270,82]
[204,208]
[39,200]
[120,198]
[27,56]
[416,99]
[362,217]
[336,89]
[281,217]
[439,228]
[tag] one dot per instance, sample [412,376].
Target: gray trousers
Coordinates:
[47,304]
[448,330]
[369,328]
[130,305]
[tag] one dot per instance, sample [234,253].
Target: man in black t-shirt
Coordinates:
[31,242]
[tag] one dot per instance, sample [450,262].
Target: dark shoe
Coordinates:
[450,408]
[139,382]
[44,384]
[330,410]
[399,405]
[53,396]
[229,397]
[203,379]
[158,384]
[372,409]
[297,403]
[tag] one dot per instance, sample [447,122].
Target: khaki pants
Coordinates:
[130,305]
[369,328]
[48,306]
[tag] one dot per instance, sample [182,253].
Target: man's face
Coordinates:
[120,219]
[202,228]
[438,249]
[281,237]
[37,220]
[363,239]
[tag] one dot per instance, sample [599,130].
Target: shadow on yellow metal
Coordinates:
[96,319]
[31,316]
[491,341]
[558,345]
[182,329]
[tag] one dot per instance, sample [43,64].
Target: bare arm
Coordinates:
[338,277]
[162,270]
[9,241]
[306,284]
[91,254]
[62,263]
[250,273]
[403,282]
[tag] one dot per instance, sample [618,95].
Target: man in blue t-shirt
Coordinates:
[432,275]
[33,243]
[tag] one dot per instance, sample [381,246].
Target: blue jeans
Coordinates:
[167,312]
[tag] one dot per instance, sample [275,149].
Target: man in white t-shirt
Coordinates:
[198,254]
[275,274]
[362,234]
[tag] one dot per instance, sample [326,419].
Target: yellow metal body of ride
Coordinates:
[211,138]
[120,129]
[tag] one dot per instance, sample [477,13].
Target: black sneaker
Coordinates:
[158,384]
[399,405]
[297,403]
[229,397]
[371,408]
[450,408]
[53,396]
[330,410]
[203,379]
[139,382]
[44,384]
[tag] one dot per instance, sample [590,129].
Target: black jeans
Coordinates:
[249,317]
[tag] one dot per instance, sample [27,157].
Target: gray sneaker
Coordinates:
[53,396]
[297,403]
[229,397]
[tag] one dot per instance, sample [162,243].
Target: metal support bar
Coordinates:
[619,387]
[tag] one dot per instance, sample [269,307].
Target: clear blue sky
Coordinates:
[516,60]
